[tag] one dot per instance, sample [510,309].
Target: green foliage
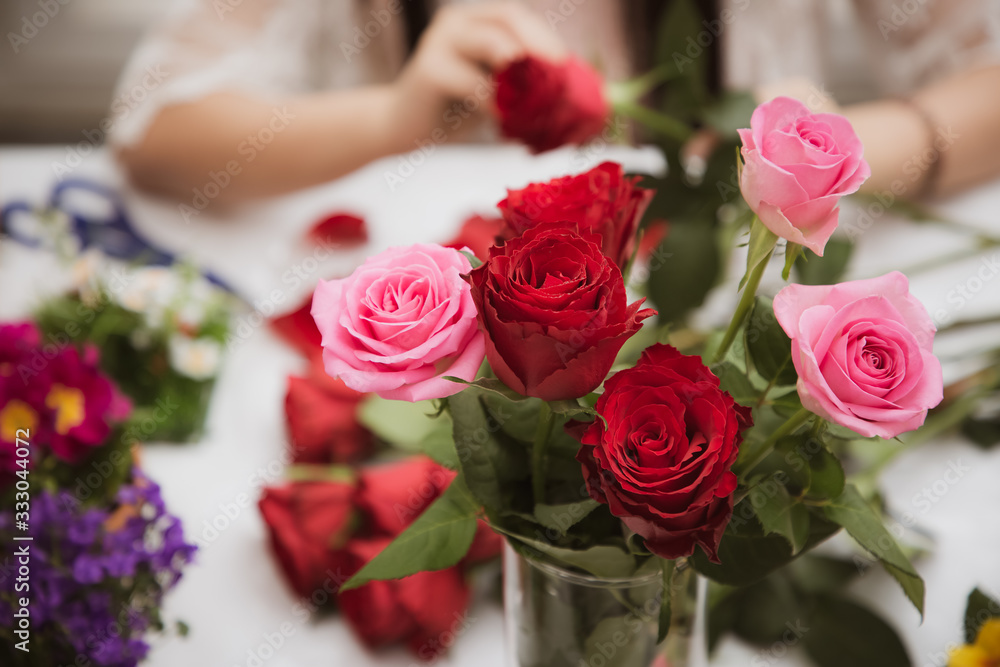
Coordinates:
[803,604]
[167,405]
[979,609]
[769,346]
[439,538]
[861,521]
[748,554]
[845,633]
[400,423]
[684,268]
[811,269]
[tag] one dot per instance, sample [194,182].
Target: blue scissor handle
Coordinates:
[115,236]
[8,228]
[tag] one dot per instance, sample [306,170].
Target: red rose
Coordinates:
[339,228]
[662,463]
[322,420]
[425,609]
[392,495]
[478,234]
[299,330]
[308,522]
[601,200]
[554,310]
[547,105]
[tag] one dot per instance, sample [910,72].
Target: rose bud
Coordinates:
[550,104]
[797,167]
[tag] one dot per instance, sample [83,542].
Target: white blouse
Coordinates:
[856,49]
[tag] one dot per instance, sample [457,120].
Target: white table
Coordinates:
[233,597]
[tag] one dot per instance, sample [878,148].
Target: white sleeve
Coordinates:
[261,47]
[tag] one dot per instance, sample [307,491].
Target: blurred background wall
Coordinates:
[59,62]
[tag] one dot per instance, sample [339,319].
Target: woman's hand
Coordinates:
[448,78]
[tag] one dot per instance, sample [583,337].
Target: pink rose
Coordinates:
[797,167]
[400,323]
[862,350]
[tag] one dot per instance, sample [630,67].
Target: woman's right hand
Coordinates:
[447,80]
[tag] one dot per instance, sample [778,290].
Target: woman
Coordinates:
[335,84]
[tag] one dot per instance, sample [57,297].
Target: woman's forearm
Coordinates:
[259,148]
[947,133]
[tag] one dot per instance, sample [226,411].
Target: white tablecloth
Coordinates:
[234,598]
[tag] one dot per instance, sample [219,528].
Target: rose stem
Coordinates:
[743,308]
[538,452]
[665,125]
[752,460]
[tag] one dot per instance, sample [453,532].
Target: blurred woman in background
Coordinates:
[336,84]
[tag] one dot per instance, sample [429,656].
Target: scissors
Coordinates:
[112,232]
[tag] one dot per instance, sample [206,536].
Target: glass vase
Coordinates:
[555,617]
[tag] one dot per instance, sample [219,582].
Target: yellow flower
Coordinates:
[15,416]
[984,653]
[69,404]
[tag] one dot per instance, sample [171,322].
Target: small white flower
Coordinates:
[153,287]
[197,358]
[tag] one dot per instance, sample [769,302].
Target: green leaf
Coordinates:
[563,517]
[810,269]
[979,609]
[822,574]
[731,112]
[492,385]
[398,422]
[570,408]
[780,514]
[862,523]
[792,251]
[770,348]
[439,443]
[601,560]
[488,459]
[735,381]
[439,538]
[668,578]
[841,632]
[473,260]
[683,268]
[747,555]
[762,242]
[826,474]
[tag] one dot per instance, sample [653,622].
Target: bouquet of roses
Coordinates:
[89,548]
[717,456]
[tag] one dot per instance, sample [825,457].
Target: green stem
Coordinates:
[670,127]
[634,89]
[753,459]
[742,309]
[539,456]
